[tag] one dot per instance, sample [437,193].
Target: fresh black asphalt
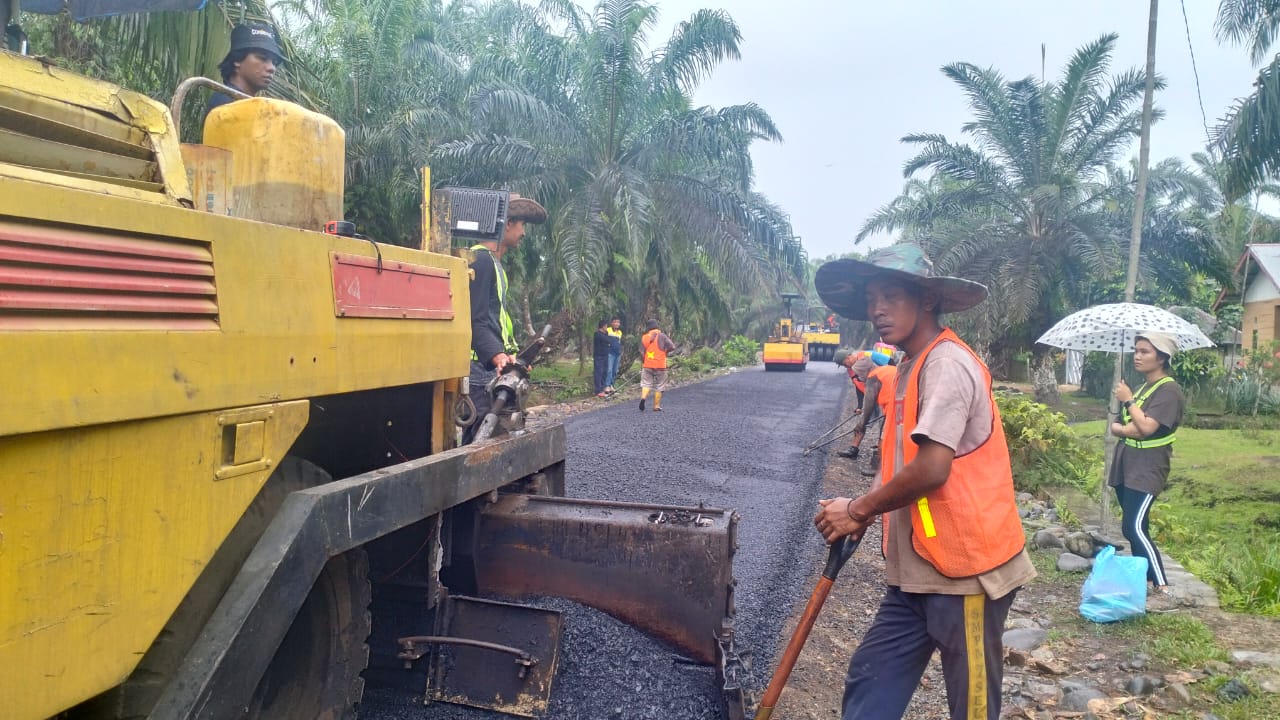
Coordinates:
[733,442]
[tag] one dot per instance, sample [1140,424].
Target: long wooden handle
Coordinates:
[792,653]
[839,553]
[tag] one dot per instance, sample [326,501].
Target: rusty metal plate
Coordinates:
[667,570]
[486,678]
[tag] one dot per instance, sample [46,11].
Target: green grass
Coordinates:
[560,381]
[1223,493]
[1174,638]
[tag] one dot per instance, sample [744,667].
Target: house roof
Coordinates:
[1261,257]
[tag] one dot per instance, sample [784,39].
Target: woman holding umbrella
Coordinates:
[1148,421]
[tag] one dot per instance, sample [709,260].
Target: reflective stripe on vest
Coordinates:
[504,320]
[655,358]
[970,524]
[1142,395]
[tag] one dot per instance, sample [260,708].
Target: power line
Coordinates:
[1204,118]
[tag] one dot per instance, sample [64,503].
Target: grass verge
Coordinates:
[1221,511]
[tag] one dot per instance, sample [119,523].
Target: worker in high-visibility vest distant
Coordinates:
[493,337]
[654,346]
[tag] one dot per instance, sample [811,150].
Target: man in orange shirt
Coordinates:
[653,371]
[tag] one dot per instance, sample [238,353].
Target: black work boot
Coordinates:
[849,452]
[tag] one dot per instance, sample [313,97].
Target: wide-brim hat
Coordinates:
[529,211]
[842,284]
[256,37]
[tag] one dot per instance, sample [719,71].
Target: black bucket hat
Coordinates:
[256,37]
[842,284]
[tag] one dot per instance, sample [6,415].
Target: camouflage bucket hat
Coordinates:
[842,284]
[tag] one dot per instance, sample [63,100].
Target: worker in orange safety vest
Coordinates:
[951,535]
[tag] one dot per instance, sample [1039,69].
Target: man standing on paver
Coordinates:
[952,539]
[655,345]
[493,337]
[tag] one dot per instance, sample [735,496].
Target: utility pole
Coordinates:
[1135,236]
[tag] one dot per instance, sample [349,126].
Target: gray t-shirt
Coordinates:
[955,411]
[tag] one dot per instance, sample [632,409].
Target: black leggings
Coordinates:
[1135,507]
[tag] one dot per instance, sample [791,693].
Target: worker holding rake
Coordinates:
[951,535]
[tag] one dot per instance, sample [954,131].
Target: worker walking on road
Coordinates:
[655,345]
[951,535]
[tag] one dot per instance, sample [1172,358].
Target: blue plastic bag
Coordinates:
[1116,588]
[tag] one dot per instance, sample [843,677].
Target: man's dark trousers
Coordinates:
[601,372]
[886,668]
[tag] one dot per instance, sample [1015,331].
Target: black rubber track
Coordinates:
[734,442]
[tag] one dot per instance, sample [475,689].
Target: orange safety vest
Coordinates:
[969,525]
[885,374]
[655,358]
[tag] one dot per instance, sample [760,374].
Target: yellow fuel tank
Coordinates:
[287,162]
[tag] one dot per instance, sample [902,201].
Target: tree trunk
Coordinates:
[1044,382]
[527,315]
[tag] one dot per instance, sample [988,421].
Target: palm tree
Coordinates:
[1024,209]
[380,69]
[1249,138]
[650,197]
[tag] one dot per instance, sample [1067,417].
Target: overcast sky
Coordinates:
[845,79]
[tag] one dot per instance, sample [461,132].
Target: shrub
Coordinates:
[1245,394]
[740,350]
[1251,389]
[1043,450]
[1095,378]
[1247,579]
[1196,369]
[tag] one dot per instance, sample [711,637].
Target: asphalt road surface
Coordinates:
[732,442]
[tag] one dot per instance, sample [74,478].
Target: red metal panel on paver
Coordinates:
[98,302]
[70,258]
[67,278]
[103,242]
[108,281]
[396,290]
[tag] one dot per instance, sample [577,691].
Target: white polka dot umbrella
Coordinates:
[1112,328]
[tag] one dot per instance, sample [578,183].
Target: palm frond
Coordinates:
[697,46]
[1249,138]
[1252,23]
